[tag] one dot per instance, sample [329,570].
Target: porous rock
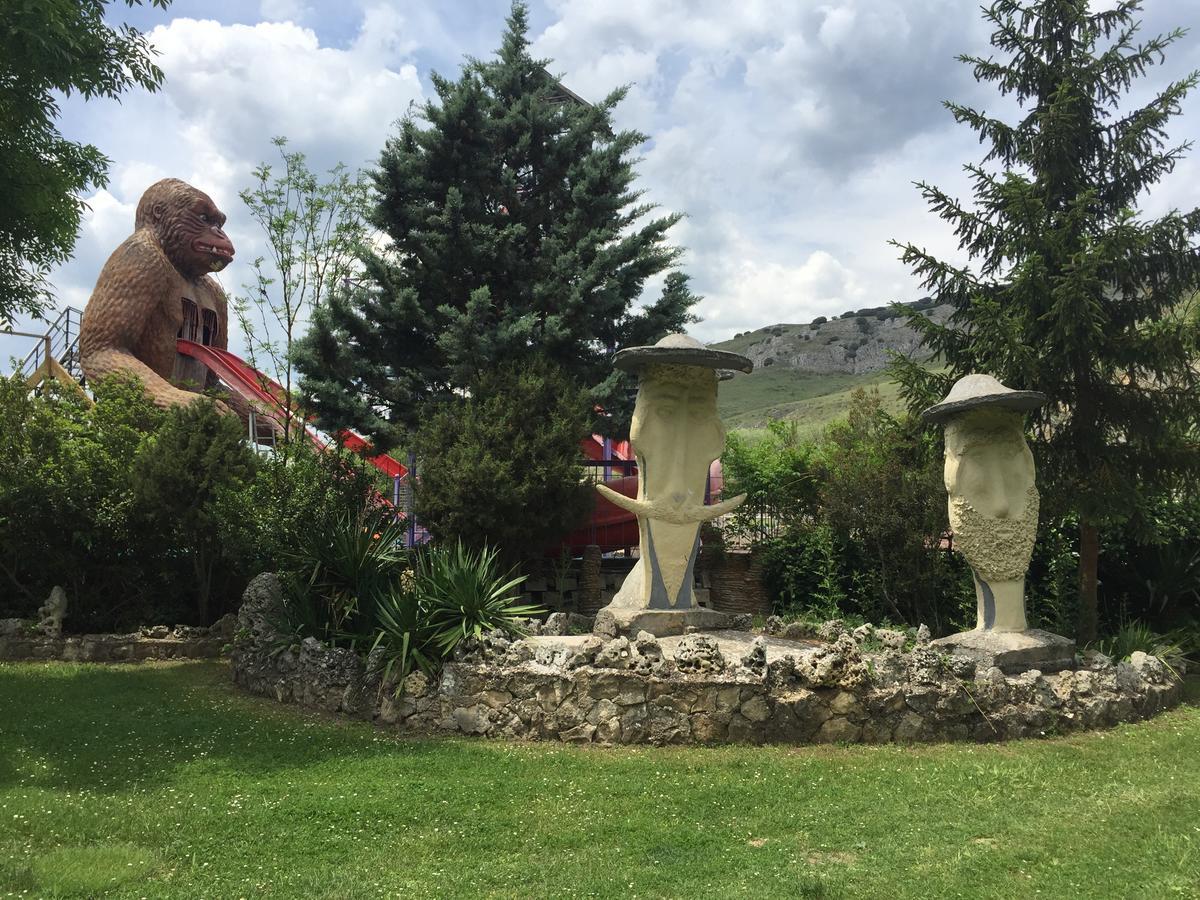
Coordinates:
[699,653]
[756,658]
[616,654]
[821,694]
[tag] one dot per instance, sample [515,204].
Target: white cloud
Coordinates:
[790,133]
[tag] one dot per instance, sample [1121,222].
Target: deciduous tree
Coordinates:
[50,47]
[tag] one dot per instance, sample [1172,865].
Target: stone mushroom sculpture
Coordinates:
[676,434]
[993,505]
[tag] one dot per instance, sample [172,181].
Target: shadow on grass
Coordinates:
[104,728]
[1191,690]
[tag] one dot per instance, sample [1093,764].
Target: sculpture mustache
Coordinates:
[673,513]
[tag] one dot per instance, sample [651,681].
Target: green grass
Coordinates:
[814,413]
[161,781]
[755,397]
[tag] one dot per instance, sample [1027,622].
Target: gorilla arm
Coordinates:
[136,311]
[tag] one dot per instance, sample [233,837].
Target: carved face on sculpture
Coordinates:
[993,501]
[188,227]
[677,433]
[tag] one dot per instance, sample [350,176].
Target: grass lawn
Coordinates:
[161,781]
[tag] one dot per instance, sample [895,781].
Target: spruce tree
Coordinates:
[515,231]
[1068,290]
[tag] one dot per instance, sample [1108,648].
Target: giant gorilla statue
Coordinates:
[156,287]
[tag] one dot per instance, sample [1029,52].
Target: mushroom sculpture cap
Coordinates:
[680,350]
[975,391]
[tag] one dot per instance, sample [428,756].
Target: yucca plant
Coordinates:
[344,571]
[403,638]
[1174,648]
[463,594]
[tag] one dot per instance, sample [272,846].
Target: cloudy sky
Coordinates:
[789,132]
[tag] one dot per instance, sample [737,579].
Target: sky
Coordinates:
[789,133]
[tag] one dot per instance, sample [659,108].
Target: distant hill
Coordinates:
[855,343]
[808,372]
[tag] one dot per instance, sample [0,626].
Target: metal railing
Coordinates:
[61,342]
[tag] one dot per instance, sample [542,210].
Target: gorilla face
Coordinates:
[187,225]
[210,248]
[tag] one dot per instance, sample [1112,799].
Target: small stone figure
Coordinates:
[993,506]
[50,616]
[676,434]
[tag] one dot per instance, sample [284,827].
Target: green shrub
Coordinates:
[501,467]
[66,506]
[776,474]
[1174,648]
[296,490]
[403,638]
[357,586]
[340,574]
[144,515]
[858,517]
[179,480]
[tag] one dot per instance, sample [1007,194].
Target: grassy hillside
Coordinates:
[748,402]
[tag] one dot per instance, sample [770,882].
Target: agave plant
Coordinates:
[463,594]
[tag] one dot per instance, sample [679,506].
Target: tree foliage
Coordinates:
[858,515]
[1068,290]
[315,229]
[179,481]
[515,231]
[47,48]
[500,467]
[148,516]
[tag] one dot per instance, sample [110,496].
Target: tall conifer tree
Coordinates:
[1068,290]
[515,232]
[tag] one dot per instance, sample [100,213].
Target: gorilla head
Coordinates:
[187,225]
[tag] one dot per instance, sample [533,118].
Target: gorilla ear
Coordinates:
[157,211]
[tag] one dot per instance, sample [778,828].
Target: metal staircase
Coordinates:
[61,343]
[56,353]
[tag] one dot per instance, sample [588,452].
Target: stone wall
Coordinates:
[734,581]
[559,588]
[157,642]
[584,689]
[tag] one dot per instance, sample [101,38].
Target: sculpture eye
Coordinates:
[204,218]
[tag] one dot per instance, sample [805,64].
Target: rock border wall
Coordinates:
[629,692]
[26,644]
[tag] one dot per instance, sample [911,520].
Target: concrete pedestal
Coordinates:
[613,621]
[1012,652]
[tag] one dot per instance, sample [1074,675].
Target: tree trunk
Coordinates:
[1089,557]
[203,570]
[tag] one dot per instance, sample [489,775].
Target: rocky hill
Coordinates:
[856,343]
[808,373]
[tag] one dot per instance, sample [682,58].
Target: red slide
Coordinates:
[252,385]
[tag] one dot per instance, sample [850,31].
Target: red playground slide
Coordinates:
[250,384]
